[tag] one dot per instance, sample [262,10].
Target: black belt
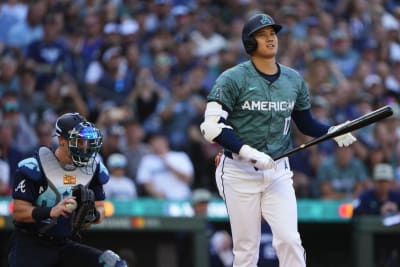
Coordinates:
[228,154]
[43,237]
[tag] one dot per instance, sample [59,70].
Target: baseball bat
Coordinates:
[353,125]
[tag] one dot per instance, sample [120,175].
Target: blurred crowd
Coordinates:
[141,71]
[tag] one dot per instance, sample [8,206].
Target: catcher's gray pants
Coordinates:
[249,195]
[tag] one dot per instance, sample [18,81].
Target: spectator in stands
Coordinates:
[203,154]
[4,177]
[208,42]
[144,98]
[341,175]
[343,55]
[220,242]
[392,81]
[23,134]
[376,155]
[382,199]
[59,95]
[132,55]
[11,13]
[111,34]
[115,82]
[177,110]
[129,30]
[322,71]
[9,79]
[134,147]
[27,96]
[46,136]
[120,186]
[74,64]
[9,152]
[112,141]
[161,70]
[184,58]
[93,41]
[111,114]
[28,30]
[165,174]
[47,55]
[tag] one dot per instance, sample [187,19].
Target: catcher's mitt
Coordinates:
[85,212]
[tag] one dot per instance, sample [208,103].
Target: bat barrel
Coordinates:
[353,125]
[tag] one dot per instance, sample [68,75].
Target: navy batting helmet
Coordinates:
[252,25]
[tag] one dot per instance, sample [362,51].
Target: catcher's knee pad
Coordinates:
[111,259]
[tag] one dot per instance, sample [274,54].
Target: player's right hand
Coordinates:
[257,158]
[61,209]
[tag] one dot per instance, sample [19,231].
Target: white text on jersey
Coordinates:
[268,105]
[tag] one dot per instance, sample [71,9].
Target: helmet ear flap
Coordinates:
[250,44]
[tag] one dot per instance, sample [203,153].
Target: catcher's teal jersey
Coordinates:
[260,111]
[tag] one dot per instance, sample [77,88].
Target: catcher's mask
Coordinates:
[84,139]
[84,143]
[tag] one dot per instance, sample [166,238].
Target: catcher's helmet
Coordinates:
[252,25]
[66,122]
[84,139]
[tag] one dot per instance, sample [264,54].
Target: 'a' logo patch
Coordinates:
[69,179]
[265,20]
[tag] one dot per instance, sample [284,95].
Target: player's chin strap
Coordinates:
[111,259]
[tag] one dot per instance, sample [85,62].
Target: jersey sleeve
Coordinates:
[303,98]
[100,178]
[225,91]
[27,180]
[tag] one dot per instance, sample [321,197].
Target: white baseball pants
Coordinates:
[249,195]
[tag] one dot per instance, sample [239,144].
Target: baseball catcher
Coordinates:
[57,194]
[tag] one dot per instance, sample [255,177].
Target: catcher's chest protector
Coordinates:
[60,181]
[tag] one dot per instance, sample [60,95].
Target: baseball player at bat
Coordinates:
[249,113]
[56,194]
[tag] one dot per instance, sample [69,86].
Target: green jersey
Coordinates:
[260,111]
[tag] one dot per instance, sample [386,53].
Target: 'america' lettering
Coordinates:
[268,105]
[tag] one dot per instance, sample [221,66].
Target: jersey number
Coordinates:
[287,126]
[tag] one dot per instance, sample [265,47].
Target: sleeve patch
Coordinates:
[104,176]
[30,168]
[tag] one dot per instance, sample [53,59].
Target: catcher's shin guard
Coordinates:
[111,259]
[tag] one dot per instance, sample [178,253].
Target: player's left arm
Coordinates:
[308,125]
[100,178]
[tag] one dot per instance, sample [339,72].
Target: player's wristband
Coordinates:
[41,213]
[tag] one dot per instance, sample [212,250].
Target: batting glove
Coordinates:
[345,139]
[257,158]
